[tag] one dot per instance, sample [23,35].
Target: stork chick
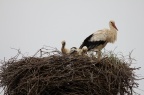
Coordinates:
[83,51]
[99,39]
[64,50]
[77,51]
[74,51]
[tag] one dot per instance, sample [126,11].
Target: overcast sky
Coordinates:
[28,25]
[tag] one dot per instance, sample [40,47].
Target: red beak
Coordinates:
[114,26]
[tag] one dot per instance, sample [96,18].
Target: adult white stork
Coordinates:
[64,50]
[98,40]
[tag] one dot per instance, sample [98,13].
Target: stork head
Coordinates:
[112,25]
[63,43]
[85,49]
[73,50]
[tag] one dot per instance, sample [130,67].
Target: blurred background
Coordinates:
[29,25]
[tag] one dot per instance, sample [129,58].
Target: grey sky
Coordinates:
[29,24]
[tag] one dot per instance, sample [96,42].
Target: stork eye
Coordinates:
[112,23]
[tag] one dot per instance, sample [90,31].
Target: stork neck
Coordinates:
[113,35]
[112,29]
[63,46]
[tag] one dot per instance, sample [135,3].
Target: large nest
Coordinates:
[59,74]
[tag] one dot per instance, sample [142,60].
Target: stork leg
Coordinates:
[98,55]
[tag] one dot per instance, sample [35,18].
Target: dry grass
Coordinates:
[59,74]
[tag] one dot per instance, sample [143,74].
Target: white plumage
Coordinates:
[99,36]
[64,50]
[98,40]
[73,50]
[77,51]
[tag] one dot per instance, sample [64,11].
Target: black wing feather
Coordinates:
[91,44]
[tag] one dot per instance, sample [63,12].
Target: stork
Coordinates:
[83,51]
[99,39]
[77,51]
[64,50]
